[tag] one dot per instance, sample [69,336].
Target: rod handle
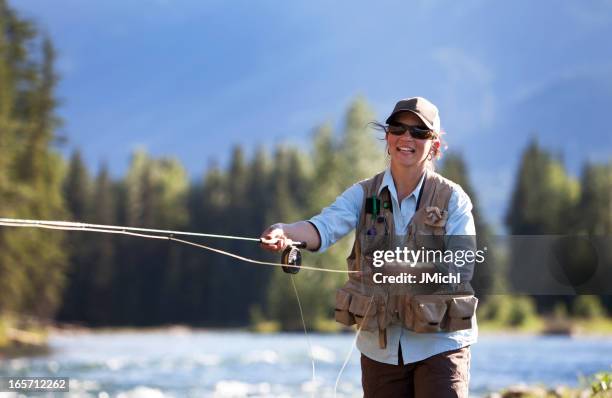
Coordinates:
[293,243]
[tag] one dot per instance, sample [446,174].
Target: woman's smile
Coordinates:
[405,149]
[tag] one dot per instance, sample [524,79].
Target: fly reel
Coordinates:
[293,257]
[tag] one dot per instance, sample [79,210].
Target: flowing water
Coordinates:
[186,363]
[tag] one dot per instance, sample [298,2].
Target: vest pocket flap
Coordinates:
[360,304]
[433,220]
[460,313]
[462,307]
[429,309]
[343,298]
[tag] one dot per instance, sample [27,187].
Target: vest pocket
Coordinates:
[428,313]
[460,312]
[363,308]
[354,308]
[342,314]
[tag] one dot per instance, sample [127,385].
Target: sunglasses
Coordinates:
[419,133]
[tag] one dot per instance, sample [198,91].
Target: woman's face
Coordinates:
[404,150]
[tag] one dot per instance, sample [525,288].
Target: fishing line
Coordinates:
[350,353]
[297,296]
[112,229]
[119,227]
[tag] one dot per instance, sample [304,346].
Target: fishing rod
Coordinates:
[291,257]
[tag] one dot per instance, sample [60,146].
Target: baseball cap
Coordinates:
[425,110]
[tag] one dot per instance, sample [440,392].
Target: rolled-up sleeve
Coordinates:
[339,218]
[460,219]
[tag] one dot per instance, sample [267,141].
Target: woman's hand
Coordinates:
[274,238]
[300,234]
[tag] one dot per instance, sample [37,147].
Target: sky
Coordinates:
[191,79]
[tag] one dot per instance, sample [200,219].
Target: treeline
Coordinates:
[117,280]
[547,200]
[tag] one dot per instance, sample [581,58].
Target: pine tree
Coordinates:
[102,253]
[326,173]
[32,262]
[77,191]
[10,278]
[77,187]
[211,212]
[7,122]
[542,196]
[360,155]
[156,196]
[595,207]
[594,211]
[258,217]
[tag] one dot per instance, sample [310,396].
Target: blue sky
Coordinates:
[193,78]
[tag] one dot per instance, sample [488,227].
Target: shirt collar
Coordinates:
[388,182]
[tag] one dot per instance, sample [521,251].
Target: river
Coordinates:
[184,363]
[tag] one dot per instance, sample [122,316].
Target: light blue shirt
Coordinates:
[342,216]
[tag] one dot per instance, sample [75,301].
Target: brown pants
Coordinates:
[445,375]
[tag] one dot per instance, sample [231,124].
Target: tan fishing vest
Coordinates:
[425,308]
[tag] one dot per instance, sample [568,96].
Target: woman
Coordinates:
[412,345]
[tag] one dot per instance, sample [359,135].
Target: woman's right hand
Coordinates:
[273,238]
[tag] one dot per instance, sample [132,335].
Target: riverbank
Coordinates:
[535,326]
[18,340]
[598,385]
[553,326]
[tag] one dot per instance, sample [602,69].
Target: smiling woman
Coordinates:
[413,344]
[420,140]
